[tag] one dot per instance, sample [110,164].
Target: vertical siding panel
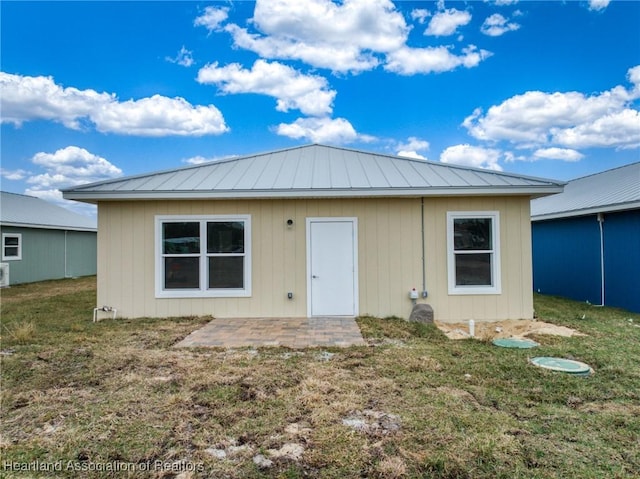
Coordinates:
[148,210]
[392,211]
[526,259]
[120,268]
[510,276]
[382,235]
[300,287]
[277,255]
[129,277]
[371,281]
[288,246]
[266,260]
[102,282]
[409,236]
[434,284]
[365,245]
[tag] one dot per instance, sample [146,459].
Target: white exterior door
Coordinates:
[332,266]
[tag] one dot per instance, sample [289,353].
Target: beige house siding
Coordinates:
[389,257]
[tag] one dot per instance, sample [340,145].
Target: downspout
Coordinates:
[600,218]
[65,254]
[424,271]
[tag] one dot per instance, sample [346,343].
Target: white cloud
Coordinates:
[411,148]
[67,167]
[420,14]
[411,154]
[183,58]
[292,89]
[212,18]
[571,119]
[564,154]
[13,175]
[447,21]
[341,37]
[339,58]
[620,130]
[474,156]
[159,116]
[27,98]
[71,166]
[598,5]
[505,2]
[321,130]
[409,61]
[497,25]
[349,36]
[198,160]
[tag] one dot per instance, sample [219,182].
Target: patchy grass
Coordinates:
[85,397]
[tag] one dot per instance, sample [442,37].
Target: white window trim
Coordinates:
[454,289]
[17,257]
[203,291]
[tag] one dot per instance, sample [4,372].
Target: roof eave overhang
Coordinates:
[588,211]
[47,227]
[96,196]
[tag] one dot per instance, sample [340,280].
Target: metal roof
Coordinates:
[612,190]
[314,171]
[31,212]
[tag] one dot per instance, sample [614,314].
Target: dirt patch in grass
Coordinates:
[512,328]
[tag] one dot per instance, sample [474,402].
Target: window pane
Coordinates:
[181,273]
[472,234]
[10,251]
[180,238]
[473,269]
[11,241]
[225,237]
[226,272]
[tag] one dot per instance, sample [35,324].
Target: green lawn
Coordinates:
[85,398]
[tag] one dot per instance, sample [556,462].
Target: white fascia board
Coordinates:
[92,197]
[587,211]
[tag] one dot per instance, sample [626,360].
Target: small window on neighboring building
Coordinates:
[473,247]
[11,246]
[203,256]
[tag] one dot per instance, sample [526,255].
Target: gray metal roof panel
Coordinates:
[308,169]
[32,212]
[613,189]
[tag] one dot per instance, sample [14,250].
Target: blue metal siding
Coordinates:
[622,259]
[566,258]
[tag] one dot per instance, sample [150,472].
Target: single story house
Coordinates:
[586,240]
[43,241]
[316,231]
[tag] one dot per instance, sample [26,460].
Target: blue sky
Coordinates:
[97,90]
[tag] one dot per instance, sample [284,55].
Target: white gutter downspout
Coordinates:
[424,272]
[600,218]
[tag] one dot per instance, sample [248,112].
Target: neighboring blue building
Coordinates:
[586,240]
[41,241]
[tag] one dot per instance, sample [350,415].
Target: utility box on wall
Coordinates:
[4,275]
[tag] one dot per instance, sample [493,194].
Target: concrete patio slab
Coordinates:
[294,333]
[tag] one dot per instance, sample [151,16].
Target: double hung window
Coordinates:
[473,244]
[204,256]
[11,246]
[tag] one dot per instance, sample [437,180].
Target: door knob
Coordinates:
[314,276]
